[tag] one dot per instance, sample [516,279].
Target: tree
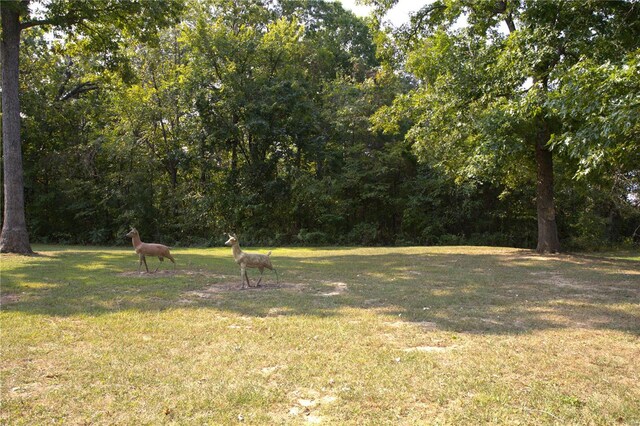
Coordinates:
[483,105]
[63,117]
[102,21]
[14,237]
[598,103]
[258,74]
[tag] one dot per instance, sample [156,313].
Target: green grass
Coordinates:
[446,335]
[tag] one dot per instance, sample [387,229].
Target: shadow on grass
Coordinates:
[494,292]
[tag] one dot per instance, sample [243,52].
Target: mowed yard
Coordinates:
[420,335]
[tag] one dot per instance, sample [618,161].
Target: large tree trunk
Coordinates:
[14,237]
[547,230]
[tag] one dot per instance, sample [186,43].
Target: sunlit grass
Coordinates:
[417,335]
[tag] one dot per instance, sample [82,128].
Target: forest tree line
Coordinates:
[297,122]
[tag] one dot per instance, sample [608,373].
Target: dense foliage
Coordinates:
[299,123]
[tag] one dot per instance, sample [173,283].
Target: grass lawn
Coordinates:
[422,335]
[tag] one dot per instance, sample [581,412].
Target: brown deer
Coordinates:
[149,249]
[249,260]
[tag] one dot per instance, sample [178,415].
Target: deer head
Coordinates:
[232,240]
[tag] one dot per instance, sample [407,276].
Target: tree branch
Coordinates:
[78,90]
[501,7]
[420,16]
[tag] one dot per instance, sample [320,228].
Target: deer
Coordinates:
[149,249]
[249,260]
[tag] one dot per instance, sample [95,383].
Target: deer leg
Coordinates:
[246,276]
[161,260]
[172,260]
[143,258]
[243,274]
[261,272]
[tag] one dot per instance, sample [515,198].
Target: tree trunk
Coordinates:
[547,230]
[14,237]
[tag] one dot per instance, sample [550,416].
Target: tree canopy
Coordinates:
[498,99]
[297,122]
[101,25]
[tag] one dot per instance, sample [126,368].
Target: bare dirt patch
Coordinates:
[145,274]
[429,348]
[163,273]
[427,325]
[309,404]
[338,289]
[9,298]
[268,371]
[557,280]
[424,325]
[212,290]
